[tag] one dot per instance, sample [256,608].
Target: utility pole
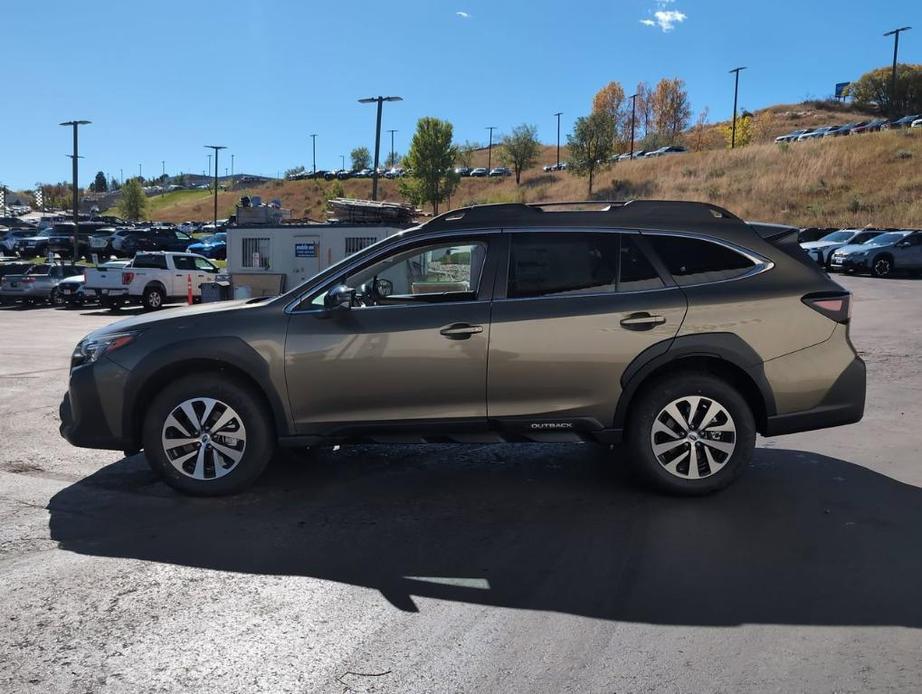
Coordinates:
[633,120]
[379,100]
[491,128]
[314,150]
[162,175]
[896,47]
[342,162]
[76,124]
[736,88]
[139,172]
[216,148]
[232,170]
[558,114]
[393,163]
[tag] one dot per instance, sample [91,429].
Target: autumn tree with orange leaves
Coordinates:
[671,109]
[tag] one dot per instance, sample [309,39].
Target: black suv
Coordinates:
[155,239]
[673,327]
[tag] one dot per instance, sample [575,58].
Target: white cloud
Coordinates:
[663,18]
[667,19]
[463,15]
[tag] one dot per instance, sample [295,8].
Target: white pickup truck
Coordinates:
[151,279]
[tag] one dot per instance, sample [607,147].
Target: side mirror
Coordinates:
[339,296]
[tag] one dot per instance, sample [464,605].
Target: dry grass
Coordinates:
[847,181]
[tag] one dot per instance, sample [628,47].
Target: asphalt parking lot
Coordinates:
[450,568]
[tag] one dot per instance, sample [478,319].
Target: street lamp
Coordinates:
[379,100]
[314,150]
[216,148]
[558,114]
[491,128]
[393,163]
[75,124]
[736,88]
[896,47]
[633,121]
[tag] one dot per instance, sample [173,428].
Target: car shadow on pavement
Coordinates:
[800,539]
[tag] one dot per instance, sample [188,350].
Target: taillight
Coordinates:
[127,277]
[834,305]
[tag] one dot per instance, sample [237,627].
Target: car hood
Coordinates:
[177,316]
[857,248]
[813,245]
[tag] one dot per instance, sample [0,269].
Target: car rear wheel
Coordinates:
[55,298]
[882,266]
[208,435]
[153,298]
[690,434]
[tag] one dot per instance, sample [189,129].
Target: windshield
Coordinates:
[39,270]
[838,236]
[887,239]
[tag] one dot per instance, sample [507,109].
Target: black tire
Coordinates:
[55,298]
[153,298]
[650,404]
[253,416]
[882,266]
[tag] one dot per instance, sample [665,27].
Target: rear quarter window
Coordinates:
[696,261]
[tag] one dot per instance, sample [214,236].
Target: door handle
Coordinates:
[460,331]
[642,321]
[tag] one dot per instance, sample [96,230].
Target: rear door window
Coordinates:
[184,262]
[574,263]
[155,262]
[696,261]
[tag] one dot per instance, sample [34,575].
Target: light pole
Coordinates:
[491,128]
[379,100]
[342,162]
[896,47]
[736,88]
[216,148]
[76,124]
[633,121]
[314,150]
[139,173]
[558,114]
[232,170]
[393,163]
[162,175]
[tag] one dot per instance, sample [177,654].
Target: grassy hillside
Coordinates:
[848,181]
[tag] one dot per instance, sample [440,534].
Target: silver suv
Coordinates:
[674,328]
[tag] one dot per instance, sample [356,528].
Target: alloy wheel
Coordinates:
[882,267]
[203,438]
[693,437]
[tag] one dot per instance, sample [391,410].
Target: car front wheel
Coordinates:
[882,266]
[208,435]
[690,434]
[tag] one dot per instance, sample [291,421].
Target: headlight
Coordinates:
[88,351]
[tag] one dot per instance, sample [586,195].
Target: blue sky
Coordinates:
[161,79]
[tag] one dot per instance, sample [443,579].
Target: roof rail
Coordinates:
[648,212]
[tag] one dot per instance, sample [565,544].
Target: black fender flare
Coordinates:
[722,347]
[179,358]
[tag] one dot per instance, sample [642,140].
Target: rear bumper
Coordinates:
[843,404]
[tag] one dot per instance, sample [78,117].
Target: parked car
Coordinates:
[846,129]
[463,171]
[209,392]
[816,134]
[904,122]
[665,151]
[103,283]
[394,172]
[814,233]
[917,123]
[479,172]
[882,255]
[70,292]
[214,246]
[498,171]
[869,127]
[9,241]
[154,239]
[158,278]
[638,154]
[790,137]
[13,267]
[37,285]
[190,227]
[821,251]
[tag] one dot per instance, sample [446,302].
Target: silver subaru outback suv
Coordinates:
[673,328]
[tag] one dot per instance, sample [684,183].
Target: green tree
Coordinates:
[521,149]
[100,185]
[430,159]
[361,158]
[591,145]
[874,89]
[393,158]
[113,184]
[133,203]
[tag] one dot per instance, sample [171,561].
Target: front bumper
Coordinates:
[848,263]
[91,411]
